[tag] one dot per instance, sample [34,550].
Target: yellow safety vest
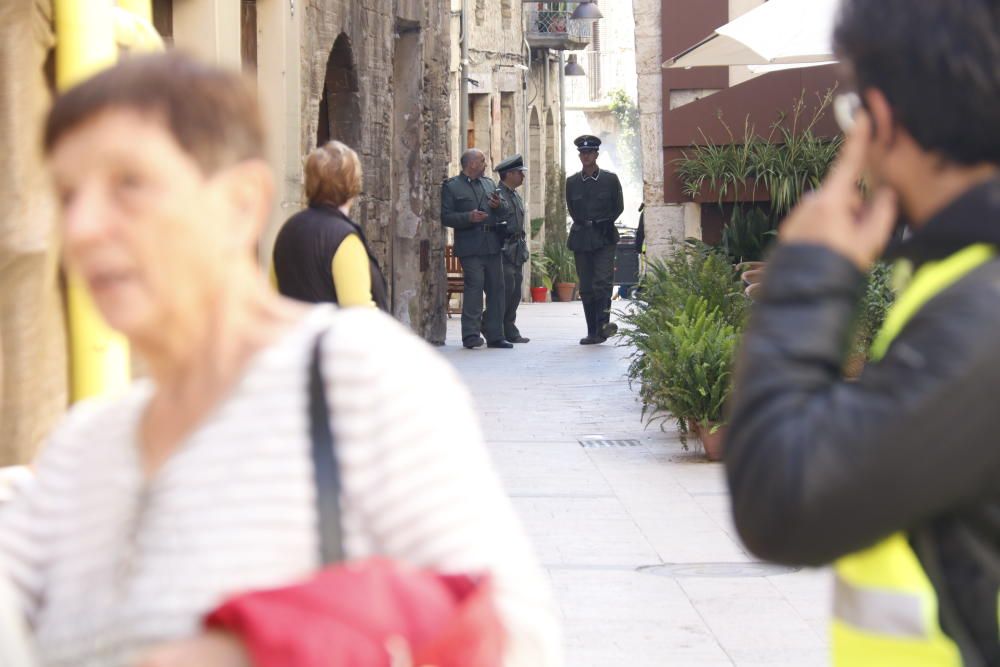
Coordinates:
[885,608]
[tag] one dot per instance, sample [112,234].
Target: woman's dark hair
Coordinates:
[938,64]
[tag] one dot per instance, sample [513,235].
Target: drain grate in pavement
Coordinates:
[594,443]
[717,570]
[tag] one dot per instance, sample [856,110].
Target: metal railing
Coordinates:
[557,22]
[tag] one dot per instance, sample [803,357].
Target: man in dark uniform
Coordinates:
[515,246]
[594,200]
[472,207]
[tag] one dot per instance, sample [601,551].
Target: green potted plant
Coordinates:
[561,268]
[682,330]
[878,299]
[694,371]
[541,284]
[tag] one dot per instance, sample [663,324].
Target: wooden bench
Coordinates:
[456,279]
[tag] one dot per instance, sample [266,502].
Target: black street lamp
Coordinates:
[587,9]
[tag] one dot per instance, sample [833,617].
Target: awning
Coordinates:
[776,33]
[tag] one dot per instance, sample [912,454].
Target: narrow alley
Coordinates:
[633,531]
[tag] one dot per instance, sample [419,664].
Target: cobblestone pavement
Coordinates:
[635,535]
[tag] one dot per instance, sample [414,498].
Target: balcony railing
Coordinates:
[554,29]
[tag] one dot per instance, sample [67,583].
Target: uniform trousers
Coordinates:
[513,276]
[596,268]
[482,273]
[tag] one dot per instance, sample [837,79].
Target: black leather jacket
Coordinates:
[819,467]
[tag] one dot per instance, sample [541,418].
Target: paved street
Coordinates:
[635,535]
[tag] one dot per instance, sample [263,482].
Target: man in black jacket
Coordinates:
[594,200]
[471,205]
[895,476]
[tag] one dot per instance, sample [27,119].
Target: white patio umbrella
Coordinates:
[778,32]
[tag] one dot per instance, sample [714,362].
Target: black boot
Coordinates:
[590,310]
[606,328]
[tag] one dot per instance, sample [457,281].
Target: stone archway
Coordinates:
[340,104]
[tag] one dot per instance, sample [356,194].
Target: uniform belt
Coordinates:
[494,228]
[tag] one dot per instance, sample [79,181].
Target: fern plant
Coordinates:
[687,368]
[695,288]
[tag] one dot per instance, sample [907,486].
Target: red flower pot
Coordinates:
[538,294]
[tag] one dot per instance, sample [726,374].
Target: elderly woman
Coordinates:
[321,255]
[197,483]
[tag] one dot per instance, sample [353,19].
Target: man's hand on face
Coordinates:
[836,216]
[477,216]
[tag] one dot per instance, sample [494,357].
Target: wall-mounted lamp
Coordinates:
[587,10]
[573,68]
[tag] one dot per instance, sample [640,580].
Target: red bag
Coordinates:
[373,613]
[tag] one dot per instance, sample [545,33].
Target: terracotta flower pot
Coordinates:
[853,366]
[712,442]
[565,291]
[538,294]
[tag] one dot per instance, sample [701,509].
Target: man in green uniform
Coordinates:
[594,200]
[472,207]
[515,246]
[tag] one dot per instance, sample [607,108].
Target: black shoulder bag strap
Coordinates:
[325,466]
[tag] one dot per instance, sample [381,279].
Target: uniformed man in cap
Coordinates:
[471,205]
[594,200]
[515,246]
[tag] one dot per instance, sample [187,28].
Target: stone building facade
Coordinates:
[370,73]
[33,376]
[514,100]
[373,73]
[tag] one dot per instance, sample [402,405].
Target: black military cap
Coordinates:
[587,142]
[514,162]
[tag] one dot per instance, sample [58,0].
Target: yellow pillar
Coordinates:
[99,357]
[141,8]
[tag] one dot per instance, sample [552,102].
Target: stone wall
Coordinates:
[33,374]
[505,97]
[665,224]
[386,78]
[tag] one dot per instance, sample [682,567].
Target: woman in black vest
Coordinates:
[321,255]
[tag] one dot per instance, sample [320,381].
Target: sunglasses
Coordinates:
[845,110]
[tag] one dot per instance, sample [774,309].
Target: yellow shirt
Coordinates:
[352,278]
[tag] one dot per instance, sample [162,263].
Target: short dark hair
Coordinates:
[938,64]
[211,112]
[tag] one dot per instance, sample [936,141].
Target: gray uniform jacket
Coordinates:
[461,195]
[515,245]
[594,205]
